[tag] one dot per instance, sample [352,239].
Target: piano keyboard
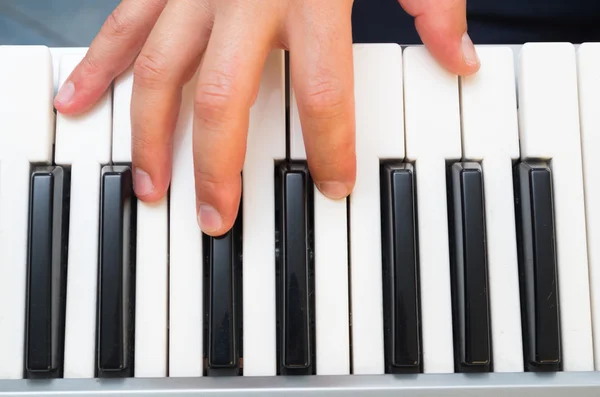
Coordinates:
[466,260]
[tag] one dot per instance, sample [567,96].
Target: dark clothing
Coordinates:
[489,21]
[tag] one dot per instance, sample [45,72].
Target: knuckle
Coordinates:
[150,69]
[325,100]
[90,66]
[118,24]
[143,147]
[207,180]
[219,188]
[215,96]
[339,158]
[338,164]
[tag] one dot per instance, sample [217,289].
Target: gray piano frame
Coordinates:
[571,384]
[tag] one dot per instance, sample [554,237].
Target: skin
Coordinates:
[166,41]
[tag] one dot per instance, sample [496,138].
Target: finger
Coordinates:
[227,84]
[111,52]
[442,25]
[167,61]
[323,79]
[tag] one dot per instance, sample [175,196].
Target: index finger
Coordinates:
[111,52]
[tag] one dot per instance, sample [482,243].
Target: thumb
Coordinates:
[442,26]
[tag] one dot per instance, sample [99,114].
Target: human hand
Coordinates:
[165,41]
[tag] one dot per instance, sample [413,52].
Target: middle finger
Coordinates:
[228,81]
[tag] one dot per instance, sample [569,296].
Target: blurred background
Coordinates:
[54,23]
[74,23]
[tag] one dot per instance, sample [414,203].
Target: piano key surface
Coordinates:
[403,99]
[26,136]
[82,144]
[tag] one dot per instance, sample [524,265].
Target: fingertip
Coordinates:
[469,54]
[455,52]
[335,190]
[217,203]
[214,220]
[143,186]
[210,220]
[64,96]
[444,31]
[80,93]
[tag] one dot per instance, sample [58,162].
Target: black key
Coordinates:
[116,290]
[295,267]
[47,265]
[469,270]
[537,267]
[224,304]
[400,270]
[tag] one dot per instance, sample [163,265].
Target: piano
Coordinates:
[466,262]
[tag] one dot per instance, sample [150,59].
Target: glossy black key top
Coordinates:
[223,259]
[537,267]
[46,281]
[400,270]
[470,274]
[116,290]
[295,286]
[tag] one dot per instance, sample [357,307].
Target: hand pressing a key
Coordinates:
[166,42]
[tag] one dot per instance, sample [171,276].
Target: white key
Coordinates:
[491,135]
[185,270]
[121,139]
[14,206]
[588,56]
[332,322]
[57,53]
[379,136]
[83,143]
[550,129]
[152,270]
[26,136]
[266,145]
[432,114]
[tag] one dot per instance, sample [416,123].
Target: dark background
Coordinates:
[490,21]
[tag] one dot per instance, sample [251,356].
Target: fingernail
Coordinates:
[333,190]
[65,94]
[468,49]
[142,183]
[209,219]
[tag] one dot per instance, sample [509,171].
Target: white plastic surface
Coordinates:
[121,139]
[490,134]
[185,270]
[332,322]
[57,53]
[266,145]
[588,57]
[152,267]
[26,103]
[26,136]
[86,137]
[152,281]
[433,136]
[379,135]
[550,129]
[82,142]
[82,274]
[14,206]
